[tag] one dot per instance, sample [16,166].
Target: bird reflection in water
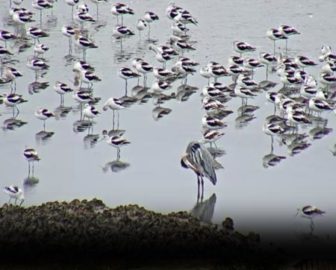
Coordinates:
[42,137]
[81,125]
[320,130]
[245,115]
[141,93]
[184,92]
[204,210]
[13,123]
[271,159]
[36,87]
[159,112]
[160,98]
[116,165]
[61,112]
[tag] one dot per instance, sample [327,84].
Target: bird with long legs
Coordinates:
[275,34]
[150,17]
[126,74]
[41,5]
[199,159]
[287,31]
[43,114]
[6,36]
[61,89]
[31,156]
[14,192]
[84,43]
[115,104]
[120,9]
[310,212]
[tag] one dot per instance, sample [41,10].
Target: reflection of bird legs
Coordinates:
[125,87]
[312,227]
[272,142]
[118,153]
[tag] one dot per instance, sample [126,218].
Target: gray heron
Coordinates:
[199,159]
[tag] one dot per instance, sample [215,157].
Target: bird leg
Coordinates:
[113,120]
[198,187]
[286,46]
[41,18]
[149,30]
[125,87]
[202,183]
[84,55]
[97,14]
[273,47]
[118,120]
[266,72]
[44,122]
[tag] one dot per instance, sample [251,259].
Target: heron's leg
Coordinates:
[202,182]
[198,188]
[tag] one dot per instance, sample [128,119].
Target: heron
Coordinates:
[199,159]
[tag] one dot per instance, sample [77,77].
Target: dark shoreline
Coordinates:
[88,232]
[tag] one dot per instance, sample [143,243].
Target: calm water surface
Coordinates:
[257,198]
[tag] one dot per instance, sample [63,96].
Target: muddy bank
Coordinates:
[89,229]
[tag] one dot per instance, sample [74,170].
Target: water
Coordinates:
[257,198]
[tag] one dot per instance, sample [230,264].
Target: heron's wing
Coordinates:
[204,160]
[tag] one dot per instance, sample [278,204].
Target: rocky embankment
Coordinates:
[89,227]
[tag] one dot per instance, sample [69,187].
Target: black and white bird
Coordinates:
[36,33]
[150,17]
[121,9]
[90,112]
[61,89]
[14,192]
[6,36]
[121,31]
[310,211]
[43,114]
[243,47]
[126,74]
[31,156]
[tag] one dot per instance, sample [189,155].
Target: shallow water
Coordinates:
[257,198]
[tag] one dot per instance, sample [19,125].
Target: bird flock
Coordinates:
[303,99]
